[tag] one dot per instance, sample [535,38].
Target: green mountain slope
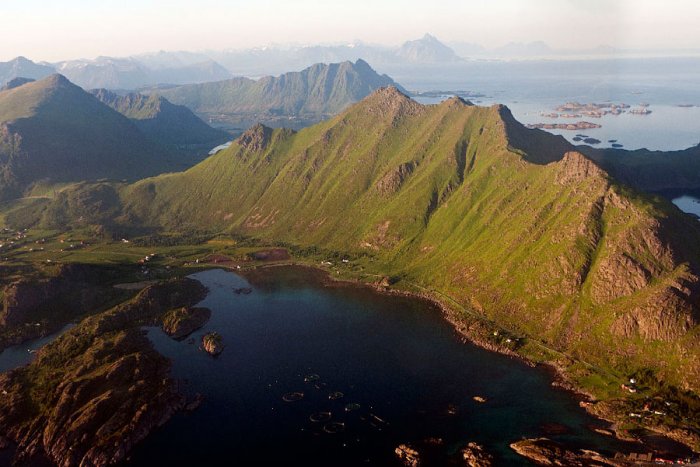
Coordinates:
[462,199]
[174,126]
[314,93]
[53,130]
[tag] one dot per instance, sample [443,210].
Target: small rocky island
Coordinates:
[565,126]
[212,343]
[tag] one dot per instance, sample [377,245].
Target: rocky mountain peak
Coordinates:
[576,167]
[256,138]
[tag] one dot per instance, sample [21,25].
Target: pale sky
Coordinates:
[55,30]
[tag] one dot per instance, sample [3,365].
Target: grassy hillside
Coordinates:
[53,130]
[461,199]
[317,91]
[174,126]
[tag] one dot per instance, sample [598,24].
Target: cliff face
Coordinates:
[28,300]
[34,307]
[99,389]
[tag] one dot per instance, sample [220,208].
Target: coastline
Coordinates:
[473,331]
[469,327]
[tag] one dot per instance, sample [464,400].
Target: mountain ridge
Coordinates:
[52,129]
[580,261]
[313,93]
[174,126]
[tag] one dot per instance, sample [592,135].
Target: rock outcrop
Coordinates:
[212,343]
[256,138]
[409,456]
[475,455]
[34,307]
[73,288]
[543,451]
[181,322]
[99,389]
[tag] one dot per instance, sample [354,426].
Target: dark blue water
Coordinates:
[396,357]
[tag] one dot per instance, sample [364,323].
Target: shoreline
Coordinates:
[462,325]
[470,328]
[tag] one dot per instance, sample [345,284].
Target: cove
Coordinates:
[404,374]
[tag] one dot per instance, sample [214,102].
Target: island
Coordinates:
[212,343]
[565,126]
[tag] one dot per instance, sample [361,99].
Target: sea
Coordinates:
[321,375]
[668,87]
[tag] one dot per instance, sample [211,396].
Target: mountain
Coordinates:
[104,72]
[276,59]
[132,73]
[311,94]
[173,126]
[51,129]
[515,223]
[426,50]
[21,67]
[15,83]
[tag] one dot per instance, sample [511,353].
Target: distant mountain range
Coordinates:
[21,67]
[426,50]
[183,67]
[115,73]
[130,73]
[52,130]
[292,99]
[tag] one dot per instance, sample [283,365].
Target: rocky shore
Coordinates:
[181,322]
[543,451]
[482,333]
[99,389]
[429,451]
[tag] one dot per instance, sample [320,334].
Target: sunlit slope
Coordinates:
[321,89]
[465,200]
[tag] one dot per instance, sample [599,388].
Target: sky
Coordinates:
[67,29]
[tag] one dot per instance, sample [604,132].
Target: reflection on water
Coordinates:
[319,376]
